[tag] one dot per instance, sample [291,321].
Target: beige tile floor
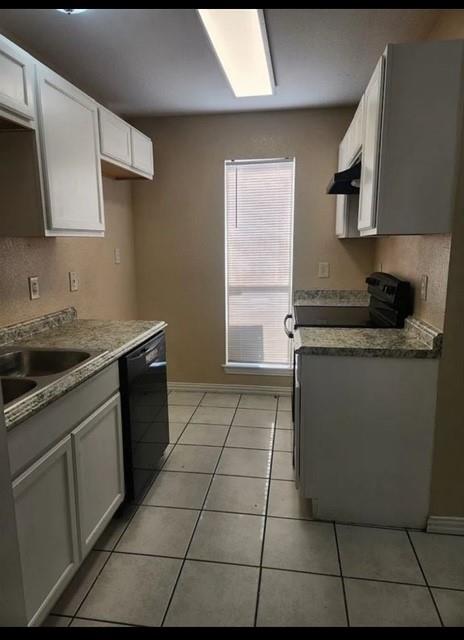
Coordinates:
[222,538]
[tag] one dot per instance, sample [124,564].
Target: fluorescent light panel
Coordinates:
[239,39]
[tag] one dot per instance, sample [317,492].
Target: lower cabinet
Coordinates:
[97,445]
[64,501]
[45,506]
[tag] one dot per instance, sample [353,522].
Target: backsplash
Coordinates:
[410,257]
[106,290]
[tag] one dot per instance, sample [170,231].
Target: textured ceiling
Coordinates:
[158,61]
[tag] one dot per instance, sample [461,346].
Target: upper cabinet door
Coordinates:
[115,137]
[373,98]
[70,153]
[142,152]
[340,211]
[16,71]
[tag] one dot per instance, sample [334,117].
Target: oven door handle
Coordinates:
[289,333]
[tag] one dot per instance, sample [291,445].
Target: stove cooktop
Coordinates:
[349,317]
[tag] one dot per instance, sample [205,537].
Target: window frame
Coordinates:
[257,368]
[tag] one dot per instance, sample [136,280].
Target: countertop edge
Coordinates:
[30,405]
[368,352]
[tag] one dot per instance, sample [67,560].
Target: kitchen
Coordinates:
[151,246]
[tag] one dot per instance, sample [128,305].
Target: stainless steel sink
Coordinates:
[38,362]
[13,388]
[25,370]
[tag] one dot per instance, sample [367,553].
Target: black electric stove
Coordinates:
[389,304]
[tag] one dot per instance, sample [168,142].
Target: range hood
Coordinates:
[346,182]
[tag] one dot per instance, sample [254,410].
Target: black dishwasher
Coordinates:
[144,402]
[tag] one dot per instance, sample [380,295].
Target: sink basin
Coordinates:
[13,388]
[39,362]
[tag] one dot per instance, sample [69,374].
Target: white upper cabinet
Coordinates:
[410,143]
[16,84]
[115,137]
[125,152]
[370,148]
[70,152]
[349,151]
[142,152]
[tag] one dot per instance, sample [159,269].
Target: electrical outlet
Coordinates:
[34,291]
[73,281]
[117,255]
[424,286]
[323,271]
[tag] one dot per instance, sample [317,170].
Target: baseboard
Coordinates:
[444,524]
[229,388]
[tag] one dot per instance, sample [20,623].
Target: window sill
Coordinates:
[258,369]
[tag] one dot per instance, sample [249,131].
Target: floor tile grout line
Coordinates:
[258,593]
[93,583]
[276,568]
[196,524]
[124,624]
[425,578]
[137,506]
[347,613]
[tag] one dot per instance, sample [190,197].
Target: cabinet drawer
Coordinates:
[115,137]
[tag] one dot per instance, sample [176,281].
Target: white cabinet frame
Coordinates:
[109,469]
[61,454]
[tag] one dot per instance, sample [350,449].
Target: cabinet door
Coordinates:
[46,520]
[97,445]
[16,71]
[340,211]
[70,156]
[142,152]
[115,137]
[373,102]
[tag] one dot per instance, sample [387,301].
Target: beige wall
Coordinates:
[179,223]
[409,257]
[106,290]
[447,494]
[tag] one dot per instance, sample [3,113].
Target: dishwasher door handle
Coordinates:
[289,333]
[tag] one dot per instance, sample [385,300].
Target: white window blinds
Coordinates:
[259,247]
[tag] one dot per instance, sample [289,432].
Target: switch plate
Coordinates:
[379,267]
[34,291]
[73,281]
[323,270]
[117,255]
[424,286]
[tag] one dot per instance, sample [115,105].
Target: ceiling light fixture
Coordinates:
[239,38]
[72,12]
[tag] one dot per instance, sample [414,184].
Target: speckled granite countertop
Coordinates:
[416,340]
[110,338]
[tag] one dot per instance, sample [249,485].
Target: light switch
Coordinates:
[117,255]
[73,281]
[34,291]
[323,271]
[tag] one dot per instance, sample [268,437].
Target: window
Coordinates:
[259,248]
